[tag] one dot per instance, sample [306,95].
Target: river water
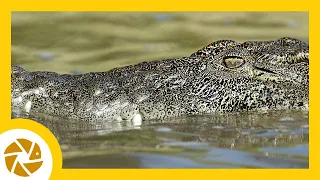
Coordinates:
[79,42]
[273,139]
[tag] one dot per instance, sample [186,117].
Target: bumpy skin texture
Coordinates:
[224,76]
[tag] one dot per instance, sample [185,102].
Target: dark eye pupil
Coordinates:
[233,62]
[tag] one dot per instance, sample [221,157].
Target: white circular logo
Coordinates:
[24,155]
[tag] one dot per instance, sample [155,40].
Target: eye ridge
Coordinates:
[233,62]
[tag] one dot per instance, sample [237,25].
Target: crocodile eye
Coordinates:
[233,61]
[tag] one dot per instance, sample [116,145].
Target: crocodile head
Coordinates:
[274,73]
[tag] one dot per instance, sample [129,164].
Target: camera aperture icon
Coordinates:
[23,157]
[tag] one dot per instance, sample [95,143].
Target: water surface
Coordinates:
[273,139]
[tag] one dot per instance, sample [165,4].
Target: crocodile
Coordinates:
[224,76]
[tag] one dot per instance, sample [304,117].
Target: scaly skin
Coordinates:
[224,76]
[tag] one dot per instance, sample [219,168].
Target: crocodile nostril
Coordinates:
[300,103]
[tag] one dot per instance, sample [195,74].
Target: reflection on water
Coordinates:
[276,139]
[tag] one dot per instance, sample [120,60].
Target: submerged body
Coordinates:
[224,76]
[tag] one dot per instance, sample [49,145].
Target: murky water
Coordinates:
[275,139]
[78,42]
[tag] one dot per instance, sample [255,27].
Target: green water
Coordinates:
[71,42]
[275,139]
